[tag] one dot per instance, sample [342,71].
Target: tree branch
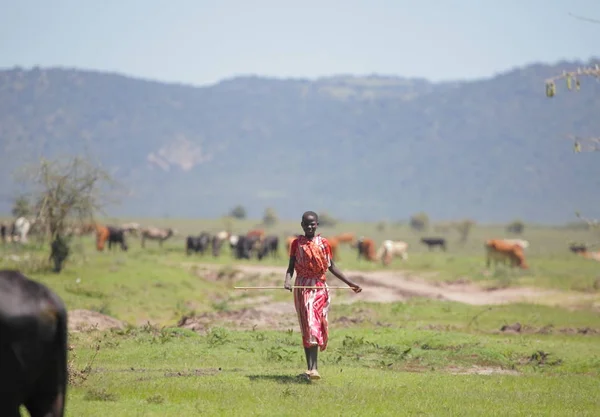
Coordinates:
[585,144]
[571,76]
[586,19]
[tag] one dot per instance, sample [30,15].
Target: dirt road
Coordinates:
[392,286]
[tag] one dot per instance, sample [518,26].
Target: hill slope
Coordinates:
[359,147]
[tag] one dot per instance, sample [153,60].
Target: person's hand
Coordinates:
[356,288]
[287,283]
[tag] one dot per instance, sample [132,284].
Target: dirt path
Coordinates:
[392,286]
[259,309]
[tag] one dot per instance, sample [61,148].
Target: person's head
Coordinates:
[310,222]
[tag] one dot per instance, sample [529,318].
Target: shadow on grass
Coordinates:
[282,379]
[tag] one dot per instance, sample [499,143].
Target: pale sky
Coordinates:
[201,42]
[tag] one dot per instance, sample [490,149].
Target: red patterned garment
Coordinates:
[313,258]
[312,306]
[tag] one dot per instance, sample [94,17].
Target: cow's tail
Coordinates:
[61,361]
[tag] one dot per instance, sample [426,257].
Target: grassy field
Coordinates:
[417,357]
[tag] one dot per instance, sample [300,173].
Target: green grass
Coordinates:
[420,357]
[366,371]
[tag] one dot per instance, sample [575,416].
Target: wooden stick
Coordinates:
[282,288]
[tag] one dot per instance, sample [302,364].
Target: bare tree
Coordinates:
[71,188]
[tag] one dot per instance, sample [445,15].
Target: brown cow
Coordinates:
[502,251]
[590,255]
[366,249]
[102,234]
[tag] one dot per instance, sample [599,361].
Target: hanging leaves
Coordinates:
[571,77]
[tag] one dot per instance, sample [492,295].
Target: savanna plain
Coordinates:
[154,332]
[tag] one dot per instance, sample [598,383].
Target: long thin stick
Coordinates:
[282,288]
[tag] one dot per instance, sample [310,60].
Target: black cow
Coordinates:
[116,235]
[431,242]
[33,348]
[270,244]
[197,243]
[578,248]
[243,247]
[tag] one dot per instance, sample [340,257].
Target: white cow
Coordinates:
[389,249]
[156,233]
[21,229]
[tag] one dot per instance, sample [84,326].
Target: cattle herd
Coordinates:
[260,245]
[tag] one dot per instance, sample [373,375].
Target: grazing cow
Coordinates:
[390,249]
[270,244]
[33,348]
[522,243]
[432,242]
[20,230]
[256,235]
[253,241]
[499,250]
[154,233]
[578,248]
[366,249]
[198,244]
[595,256]
[102,234]
[116,235]
[243,247]
[582,250]
[233,240]
[112,235]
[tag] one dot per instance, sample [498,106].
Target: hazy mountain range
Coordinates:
[361,148]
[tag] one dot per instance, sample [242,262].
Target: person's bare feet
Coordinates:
[314,374]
